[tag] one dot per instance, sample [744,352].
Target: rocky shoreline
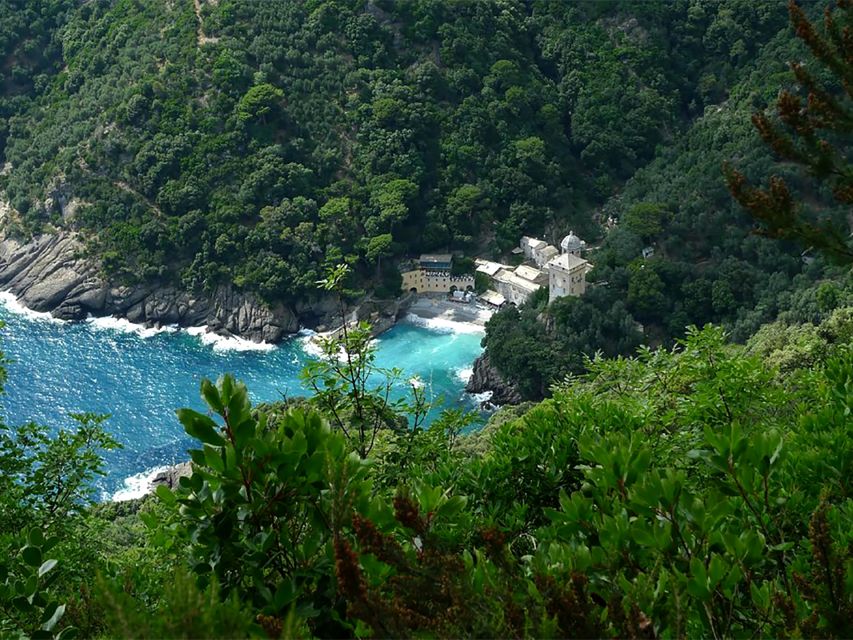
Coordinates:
[486,378]
[49,274]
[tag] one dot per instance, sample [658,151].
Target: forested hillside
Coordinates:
[259,142]
[708,265]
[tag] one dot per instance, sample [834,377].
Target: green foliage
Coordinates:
[45,489]
[538,345]
[817,136]
[48,476]
[258,102]
[351,389]
[646,219]
[265,497]
[211,148]
[187,612]
[25,579]
[694,491]
[707,266]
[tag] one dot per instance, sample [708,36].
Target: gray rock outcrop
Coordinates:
[170,476]
[487,378]
[50,274]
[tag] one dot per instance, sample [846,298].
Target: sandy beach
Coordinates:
[438,311]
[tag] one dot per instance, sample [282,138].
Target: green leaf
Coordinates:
[166,495]
[200,427]
[32,555]
[52,615]
[760,596]
[213,458]
[211,396]
[46,566]
[68,633]
[23,604]
[285,594]
[35,537]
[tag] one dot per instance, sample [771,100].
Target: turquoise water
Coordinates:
[61,368]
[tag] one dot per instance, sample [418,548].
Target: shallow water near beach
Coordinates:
[140,377]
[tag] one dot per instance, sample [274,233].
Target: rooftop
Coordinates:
[492,297]
[488,267]
[568,262]
[572,243]
[436,257]
[513,280]
[528,273]
[533,243]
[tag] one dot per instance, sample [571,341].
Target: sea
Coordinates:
[140,376]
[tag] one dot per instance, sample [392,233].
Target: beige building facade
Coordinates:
[567,276]
[435,282]
[513,284]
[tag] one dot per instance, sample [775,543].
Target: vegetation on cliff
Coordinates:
[260,142]
[695,490]
[709,264]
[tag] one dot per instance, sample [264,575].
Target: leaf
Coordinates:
[285,594]
[22,604]
[213,458]
[166,495]
[54,618]
[32,555]
[68,633]
[35,537]
[211,396]
[200,427]
[46,566]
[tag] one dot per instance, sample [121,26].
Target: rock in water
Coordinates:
[487,378]
[170,476]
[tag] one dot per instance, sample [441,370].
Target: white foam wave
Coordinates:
[13,305]
[465,374]
[123,325]
[444,325]
[310,345]
[483,400]
[224,343]
[137,485]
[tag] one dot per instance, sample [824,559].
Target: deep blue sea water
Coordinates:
[140,378]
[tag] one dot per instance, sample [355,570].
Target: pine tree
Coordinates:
[815,134]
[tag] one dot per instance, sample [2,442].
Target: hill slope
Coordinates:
[254,142]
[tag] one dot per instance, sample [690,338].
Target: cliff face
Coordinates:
[487,378]
[48,274]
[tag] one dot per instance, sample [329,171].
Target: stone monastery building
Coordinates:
[562,270]
[433,275]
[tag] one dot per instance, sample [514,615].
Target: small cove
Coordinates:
[140,377]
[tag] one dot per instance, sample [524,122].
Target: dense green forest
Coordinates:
[260,143]
[708,264]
